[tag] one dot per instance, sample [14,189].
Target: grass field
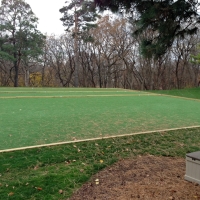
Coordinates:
[49,115]
[39,174]
[189,93]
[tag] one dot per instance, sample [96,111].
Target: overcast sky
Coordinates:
[49,16]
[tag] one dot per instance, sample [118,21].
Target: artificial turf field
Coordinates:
[37,116]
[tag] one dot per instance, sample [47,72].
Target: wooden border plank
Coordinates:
[95,139]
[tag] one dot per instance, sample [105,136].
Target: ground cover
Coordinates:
[56,172]
[108,112]
[144,177]
[188,92]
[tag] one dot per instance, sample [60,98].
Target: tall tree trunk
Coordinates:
[26,77]
[99,73]
[16,70]
[177,73]
[76,81]
[109,81]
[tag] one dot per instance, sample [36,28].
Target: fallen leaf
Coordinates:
[74,146]
[61,191]
[101,161]
[79,150]
[11,194]
[39,188]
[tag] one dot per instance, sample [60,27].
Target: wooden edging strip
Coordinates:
[78,96]
[94,139]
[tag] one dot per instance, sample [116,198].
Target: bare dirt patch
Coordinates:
[145,177]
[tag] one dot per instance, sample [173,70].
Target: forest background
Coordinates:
[98,49]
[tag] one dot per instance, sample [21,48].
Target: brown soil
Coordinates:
[147,177]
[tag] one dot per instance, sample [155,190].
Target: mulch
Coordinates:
[145,177]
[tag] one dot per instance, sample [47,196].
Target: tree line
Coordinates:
[101,54]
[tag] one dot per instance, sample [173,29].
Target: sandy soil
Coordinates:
[145,177]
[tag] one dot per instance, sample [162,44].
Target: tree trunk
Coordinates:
[76,81]
[26,77]
[16,70]
[99,73]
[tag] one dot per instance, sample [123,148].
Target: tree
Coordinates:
[165,19]
[80,15]
[19,35]
[195,60]
[60,57]
[32,49]
[83,10]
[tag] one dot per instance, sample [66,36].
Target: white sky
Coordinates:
[49,16]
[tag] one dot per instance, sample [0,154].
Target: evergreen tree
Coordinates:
[19,37]
[85,12]
[163,19]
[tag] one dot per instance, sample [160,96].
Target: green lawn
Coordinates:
[63,92]
[39,174]
[106,112]
[189,93]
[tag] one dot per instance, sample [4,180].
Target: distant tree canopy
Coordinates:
[164,20]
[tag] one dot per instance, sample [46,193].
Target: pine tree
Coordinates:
[19,37]
[163,19]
